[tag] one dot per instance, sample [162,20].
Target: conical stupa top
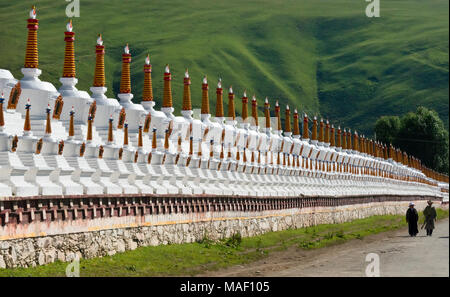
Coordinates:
[244,99]
[219,103]
[339,137]
[327,132]
[244,106]
[267,112]
[31,54]
[314,129]
[27,124]
[278,116]
[154,143]
[355,146]
[362,146]
[321,130]
[2,119]
[125,81]
[231,109]
[48,124]
[205,96]
[167,95]
[332,136]
[148,87]
[110,130]
[69,53]
[166,140]
[89,131]
[99,75]
[349,140]
[345,144]
[296,131]
[305,127]
[255,110]
[187,103]
[71,124]
[125,133]
[287,123]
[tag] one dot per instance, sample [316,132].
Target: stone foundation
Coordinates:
[183,228]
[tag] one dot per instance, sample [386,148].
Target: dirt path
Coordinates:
[399,255]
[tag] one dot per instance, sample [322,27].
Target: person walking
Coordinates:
[412,217]
[430,217]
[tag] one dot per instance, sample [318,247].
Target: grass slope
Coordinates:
[199,257]
[323,57]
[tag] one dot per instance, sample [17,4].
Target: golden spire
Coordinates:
[166,140]
[219,103]
[89,131]
[167,95]
[31,54]
[187,103]
[244,106]
[314,129]
[71,124]
[366,144]
[2,119]
[125,81]
[287,123]
[148,88]
[327,132]
[391,152]
[332,136]
[125,134]
[231,110]
[344,140]
[305,127]
[349,139]
[278,115]
[205,96]
[154,143]
[355,146]
[296,124]
[267,113]
[255,110]
[321,139]
[48,123]
[110,130]
[99,75]
[339,137]
[69,53]
[362,147]
[27,124]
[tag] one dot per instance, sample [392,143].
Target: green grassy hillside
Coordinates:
[321,56]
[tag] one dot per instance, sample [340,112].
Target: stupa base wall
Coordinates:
[37,231]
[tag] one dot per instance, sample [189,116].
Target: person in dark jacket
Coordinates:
[412,217]
[430,217]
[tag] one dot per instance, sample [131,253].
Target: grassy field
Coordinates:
[324,57]
[194,258]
